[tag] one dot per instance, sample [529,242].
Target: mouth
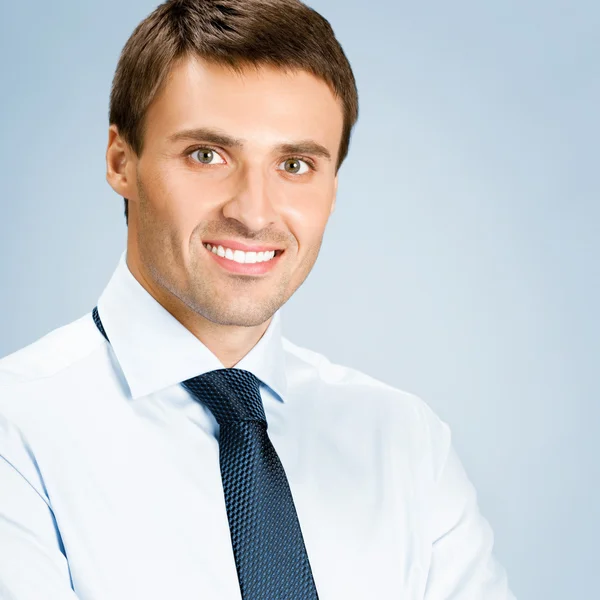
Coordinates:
[248,262]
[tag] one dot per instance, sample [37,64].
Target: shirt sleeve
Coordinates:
[462,566]
[32,565]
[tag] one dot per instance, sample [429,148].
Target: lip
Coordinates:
[241,246]
[261,268]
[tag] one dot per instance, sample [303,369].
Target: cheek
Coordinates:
[307,213]
[183,198]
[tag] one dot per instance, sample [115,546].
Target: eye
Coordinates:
[207,156]
[296,166]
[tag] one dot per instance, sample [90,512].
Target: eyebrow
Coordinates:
[220,138]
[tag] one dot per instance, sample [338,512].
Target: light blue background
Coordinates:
[461,261]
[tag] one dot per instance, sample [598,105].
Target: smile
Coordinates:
[239,256]
[244,263]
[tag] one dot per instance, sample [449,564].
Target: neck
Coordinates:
[229,343]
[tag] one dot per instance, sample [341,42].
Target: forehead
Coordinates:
[264,104]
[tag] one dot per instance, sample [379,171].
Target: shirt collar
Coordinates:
[155,350]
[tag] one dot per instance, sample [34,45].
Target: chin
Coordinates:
[251,316]
[240,320]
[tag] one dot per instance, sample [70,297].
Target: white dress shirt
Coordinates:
[110,487]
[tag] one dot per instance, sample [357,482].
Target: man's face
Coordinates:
[233,159]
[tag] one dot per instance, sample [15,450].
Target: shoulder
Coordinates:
[353,388]
[367,411]
[49,355]
[33,382]
[309,363]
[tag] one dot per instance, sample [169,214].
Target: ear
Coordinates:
[120,164]
[335,187]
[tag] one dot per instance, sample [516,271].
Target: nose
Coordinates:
[252,203]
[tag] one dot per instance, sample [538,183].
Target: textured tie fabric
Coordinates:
[268,546]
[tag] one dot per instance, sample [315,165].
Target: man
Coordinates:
[171,443]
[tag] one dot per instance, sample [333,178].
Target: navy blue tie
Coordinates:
[268,546]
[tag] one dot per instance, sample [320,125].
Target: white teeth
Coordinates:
[240,256]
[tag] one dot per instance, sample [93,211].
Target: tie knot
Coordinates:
[232,395]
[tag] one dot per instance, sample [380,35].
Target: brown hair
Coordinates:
[285,34]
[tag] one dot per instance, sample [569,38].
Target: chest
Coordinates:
[142,514]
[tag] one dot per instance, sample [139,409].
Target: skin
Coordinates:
[252,192]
